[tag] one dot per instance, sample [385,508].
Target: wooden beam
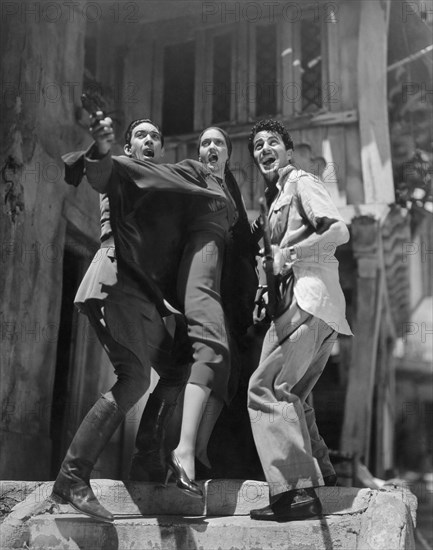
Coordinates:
[356,430]
[373,107]
[286,62]
[251,93]
[331,71]
[199,92]
[158,83]
[348,32]
[242,76]
[296,67]
[384,403]
[410,58]
[346,118]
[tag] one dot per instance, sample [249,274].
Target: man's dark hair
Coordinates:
[273,126]
[134,123]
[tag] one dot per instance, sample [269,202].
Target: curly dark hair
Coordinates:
[273,126]
[134,123]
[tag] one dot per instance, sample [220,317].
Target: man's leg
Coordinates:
[287,372]
[73,481]
[148,463]
[319,448]
[303,389]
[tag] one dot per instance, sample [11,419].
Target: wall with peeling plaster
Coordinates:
[40,213]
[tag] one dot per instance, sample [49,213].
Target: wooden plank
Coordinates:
[343,117]
[353,184]
[158,82]
[280,38]
[334,151]
[296,67]
[356,431]
[331,72]
[200,69]
[288,91]
[293,124]
[242,75]
[382,443]
[372,103]
[234,68]
[348,30]
[251,92]
[208,78]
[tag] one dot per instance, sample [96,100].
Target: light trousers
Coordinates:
[294,354]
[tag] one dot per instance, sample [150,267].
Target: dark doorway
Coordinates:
[73,267]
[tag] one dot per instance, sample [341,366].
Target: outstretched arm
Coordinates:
[98,162]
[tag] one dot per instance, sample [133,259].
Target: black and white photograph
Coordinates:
[216,277]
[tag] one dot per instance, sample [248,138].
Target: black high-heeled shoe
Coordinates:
[183,482]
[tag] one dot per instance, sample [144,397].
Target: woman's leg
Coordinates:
[196,398]
[199,283]
[210,416]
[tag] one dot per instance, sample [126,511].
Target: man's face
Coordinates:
[270,153]
[145,143]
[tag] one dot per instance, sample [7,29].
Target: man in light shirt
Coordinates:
[305,228]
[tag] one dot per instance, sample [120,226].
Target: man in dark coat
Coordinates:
[131,284]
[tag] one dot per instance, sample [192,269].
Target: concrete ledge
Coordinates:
[180,533]
[388,522]
[358,519]
[222,497]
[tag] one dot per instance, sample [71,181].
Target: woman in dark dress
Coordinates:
[218,303]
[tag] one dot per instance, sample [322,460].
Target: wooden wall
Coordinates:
[350,133]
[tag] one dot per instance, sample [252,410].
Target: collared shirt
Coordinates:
[293,216]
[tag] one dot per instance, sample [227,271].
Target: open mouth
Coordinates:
[213,157]
[149,153]
[268,162]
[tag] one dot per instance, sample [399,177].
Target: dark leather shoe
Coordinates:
[265,514]
[72,484]
[76,492]
[293,505]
